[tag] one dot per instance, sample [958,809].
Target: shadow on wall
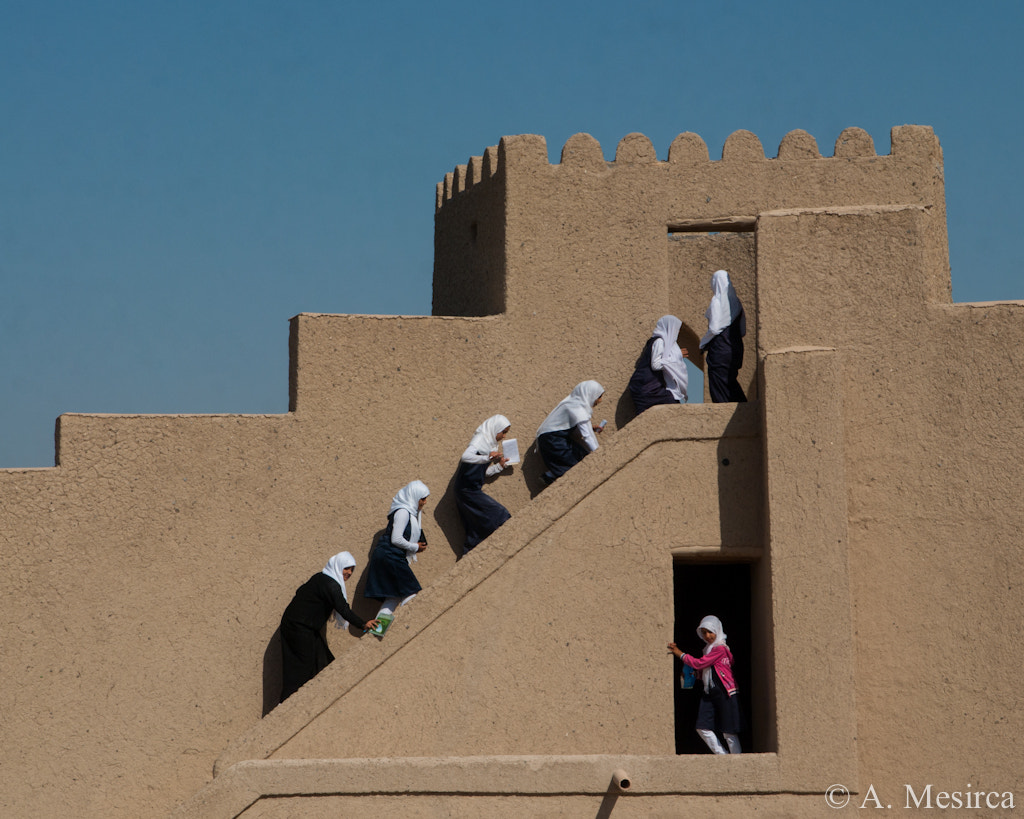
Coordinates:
[533,467]
[625,410]
[364,607]
[740,485]
[272,679]
[615,788]
[446,516]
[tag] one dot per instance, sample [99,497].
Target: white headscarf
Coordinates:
[408,498]
[485,441]
[711,623]
[672,361]
[724,309]
[335,570]
[574,409]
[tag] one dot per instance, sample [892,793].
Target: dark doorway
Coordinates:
[722,589]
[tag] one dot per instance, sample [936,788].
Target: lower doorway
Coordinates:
[724,590]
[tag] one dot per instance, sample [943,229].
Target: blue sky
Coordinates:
[177,179]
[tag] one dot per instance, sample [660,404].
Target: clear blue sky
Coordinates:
[177,179]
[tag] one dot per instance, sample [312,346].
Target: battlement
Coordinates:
[510,213]
[908,143]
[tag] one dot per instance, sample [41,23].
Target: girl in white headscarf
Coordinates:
[483,458]
[304,651]
[660,374]
[567,435]
[389,577]
[718,712]
[723,342]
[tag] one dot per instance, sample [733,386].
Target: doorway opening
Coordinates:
[724,590]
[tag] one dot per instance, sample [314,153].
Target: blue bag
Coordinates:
[688,678]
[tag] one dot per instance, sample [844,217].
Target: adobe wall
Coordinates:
[146,574]
[870,384]
[344,707]
[526,591]
[574,241]
[933,399]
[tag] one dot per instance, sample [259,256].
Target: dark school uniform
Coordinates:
[724,358]
[389,573]
[647,385]
[480,513]
[718,711]
[304,651]
[560,450]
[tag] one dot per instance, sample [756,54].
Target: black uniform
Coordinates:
[304,650]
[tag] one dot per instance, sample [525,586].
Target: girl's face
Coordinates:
[501,435]
[709,636]
[347,572]
[423,502]
[598,401]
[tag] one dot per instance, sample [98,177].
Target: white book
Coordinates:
[510,449]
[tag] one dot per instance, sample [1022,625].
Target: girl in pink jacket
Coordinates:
[719,712]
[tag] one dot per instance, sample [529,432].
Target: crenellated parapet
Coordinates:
[477,170]
[514,230]
[909,143]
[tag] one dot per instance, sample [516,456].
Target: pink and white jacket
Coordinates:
[721,658]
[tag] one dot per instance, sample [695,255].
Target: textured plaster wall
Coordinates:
[145,575]
[479,807]
[503,609]
[579,237]
[933,402]
[559,652]
[119,653]
[469,243]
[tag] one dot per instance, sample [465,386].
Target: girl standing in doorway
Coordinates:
[719,711]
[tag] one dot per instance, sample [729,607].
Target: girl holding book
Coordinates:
[483,458]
